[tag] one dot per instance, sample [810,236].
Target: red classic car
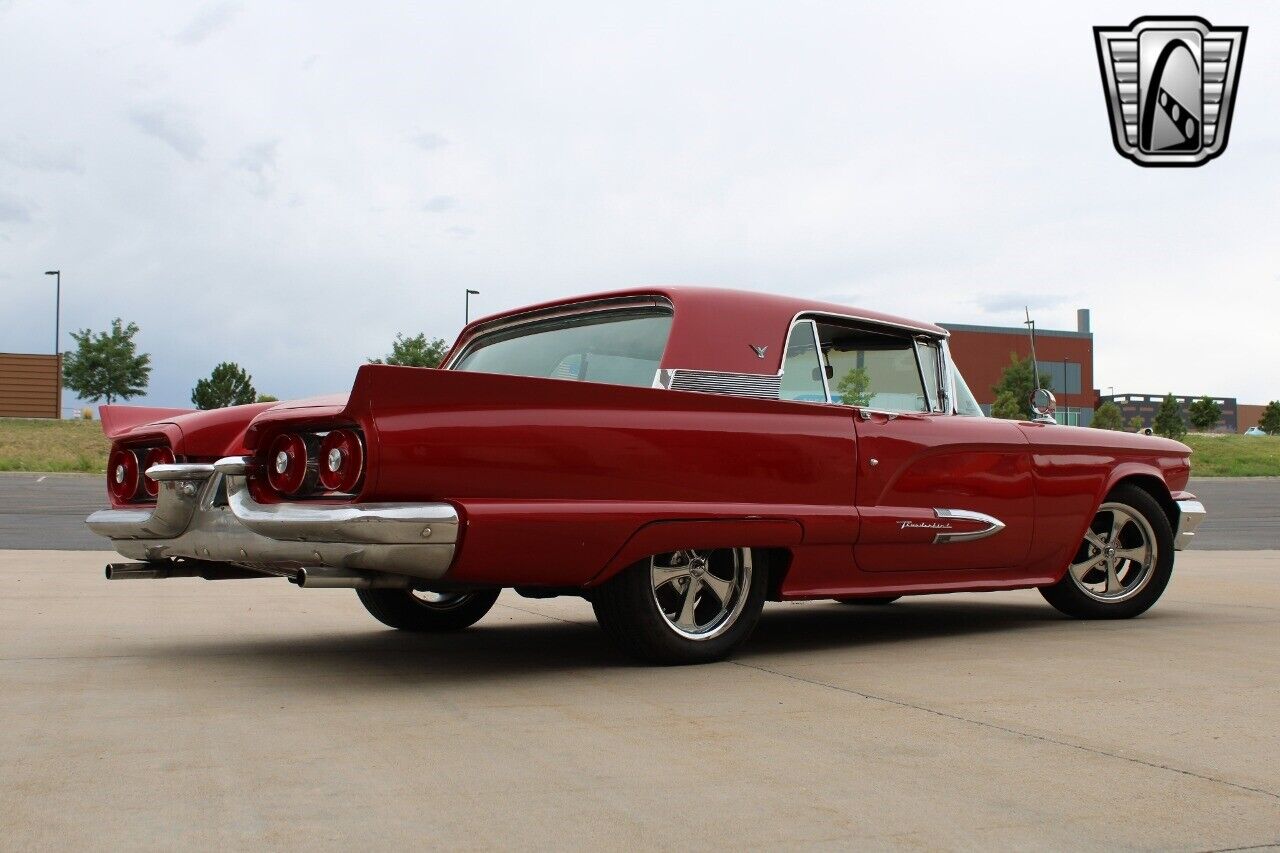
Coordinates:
[676,456]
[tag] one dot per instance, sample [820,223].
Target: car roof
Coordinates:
[720,329]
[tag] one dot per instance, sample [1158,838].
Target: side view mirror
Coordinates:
[1044,404]
[830,371]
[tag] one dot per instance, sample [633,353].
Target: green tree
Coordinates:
[106,365]
[227,385]
[267,398]
[1136,423]
[1013,391]
[854,387]
[1270,422]
[1205,414]
[1108,417]
[416,351]
[1168,420]
[1009,407]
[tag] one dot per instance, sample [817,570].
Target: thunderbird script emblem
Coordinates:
[1170,85]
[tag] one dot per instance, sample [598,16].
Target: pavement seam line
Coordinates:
[1008,730]
[544,615]
[1263,846]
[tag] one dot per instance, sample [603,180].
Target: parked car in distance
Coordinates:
[676,456]
[1253,430]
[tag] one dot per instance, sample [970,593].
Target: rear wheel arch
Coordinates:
[762,535]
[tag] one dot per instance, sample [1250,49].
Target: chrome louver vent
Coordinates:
[712,382]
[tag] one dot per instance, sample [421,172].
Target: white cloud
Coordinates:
[209,20]
[428,141]
[171,128]
[259,161]
[440,204]
[13,209]
[844,151]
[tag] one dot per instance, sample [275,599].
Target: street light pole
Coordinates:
[57,337]
[467,306]
[1065,404]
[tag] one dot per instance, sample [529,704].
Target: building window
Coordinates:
[1064,377]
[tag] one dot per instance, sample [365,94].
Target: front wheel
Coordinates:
[427,612]
[684,607]
[1124,562]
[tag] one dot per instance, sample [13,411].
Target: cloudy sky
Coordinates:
[287,185]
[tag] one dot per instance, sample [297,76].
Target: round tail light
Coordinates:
[155,456]
[341,461]
[287,464]
[122,475]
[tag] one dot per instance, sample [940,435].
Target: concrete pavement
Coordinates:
[249,714]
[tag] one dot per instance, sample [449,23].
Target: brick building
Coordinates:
[982,354]
[29,386]
[1236,416]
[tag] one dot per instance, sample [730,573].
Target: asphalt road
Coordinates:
[187,714]
[48,511]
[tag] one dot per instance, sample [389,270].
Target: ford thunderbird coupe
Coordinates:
[675,456]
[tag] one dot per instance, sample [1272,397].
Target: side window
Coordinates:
[802,367]
[873,369]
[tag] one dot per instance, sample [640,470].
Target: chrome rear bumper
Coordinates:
[205,512]
[1190,514]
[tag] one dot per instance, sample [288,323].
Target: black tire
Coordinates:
[407,611]
[1069,595]
[870,602]
[627,608]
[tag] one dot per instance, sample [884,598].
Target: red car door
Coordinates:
[934,490]
[941,491]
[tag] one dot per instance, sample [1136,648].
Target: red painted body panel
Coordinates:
[563,483]
[118,421]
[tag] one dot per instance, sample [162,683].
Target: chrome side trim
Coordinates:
[758,385]
[1190,514]
[994,526]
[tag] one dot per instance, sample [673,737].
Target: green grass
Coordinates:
[45,445]
[1234,455]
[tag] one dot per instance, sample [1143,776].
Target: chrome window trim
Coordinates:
[813,314]
[940,405]
[592,306]
[916,337]
[822,364]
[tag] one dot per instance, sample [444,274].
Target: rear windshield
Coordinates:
[616,347]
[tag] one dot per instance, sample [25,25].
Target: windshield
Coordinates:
[617,347]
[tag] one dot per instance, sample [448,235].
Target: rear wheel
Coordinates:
[411,610]
[1124,562]
[691,606]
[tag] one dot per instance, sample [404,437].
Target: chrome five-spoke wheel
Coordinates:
[1118,555]
[700,593]
[1123,562]
[686,606]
